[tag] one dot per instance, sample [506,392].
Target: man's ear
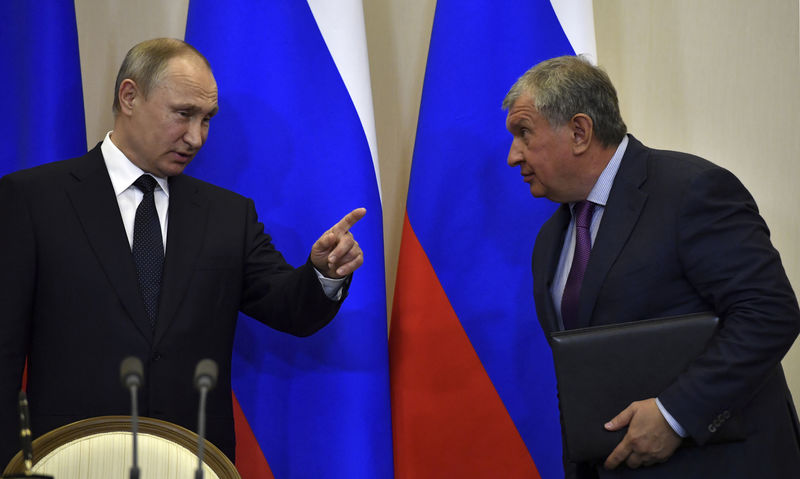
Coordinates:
[582,129]
[128,95]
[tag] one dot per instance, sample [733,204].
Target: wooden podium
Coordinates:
[101,447]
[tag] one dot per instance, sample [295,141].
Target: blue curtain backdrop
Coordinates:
[40,86]
[288,136]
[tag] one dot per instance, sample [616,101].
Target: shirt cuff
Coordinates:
[675,425]
[332,287]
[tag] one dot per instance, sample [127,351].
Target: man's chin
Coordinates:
[537,191]
[174,169]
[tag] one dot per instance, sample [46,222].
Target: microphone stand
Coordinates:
[132,374]
[26,443]
[201,432]
[205,378]
[135,429]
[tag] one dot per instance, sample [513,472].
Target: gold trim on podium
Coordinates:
[49,442]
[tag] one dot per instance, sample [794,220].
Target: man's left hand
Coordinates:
[649,440]
[336,253]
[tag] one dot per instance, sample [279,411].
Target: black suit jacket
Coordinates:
[681,235]
[69,298]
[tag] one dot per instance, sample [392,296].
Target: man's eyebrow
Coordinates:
[194,108]
[185,106]
[519,122]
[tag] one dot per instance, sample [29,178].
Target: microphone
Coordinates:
[131,374]
[26,441]
[205,378]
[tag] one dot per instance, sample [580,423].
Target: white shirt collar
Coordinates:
[121,170]
[602,187]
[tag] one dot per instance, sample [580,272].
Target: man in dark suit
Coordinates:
[665,233]
[83,284]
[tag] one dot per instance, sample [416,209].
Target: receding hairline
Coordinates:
[146,64]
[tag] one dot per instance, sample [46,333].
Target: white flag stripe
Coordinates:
[342,26]
[577,20]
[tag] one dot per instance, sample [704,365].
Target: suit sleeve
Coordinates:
[286,298]
[727,256]
[17,272]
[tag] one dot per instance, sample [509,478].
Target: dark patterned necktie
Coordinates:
[583,211]
[148,247]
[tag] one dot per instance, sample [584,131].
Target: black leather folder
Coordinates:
[601,370]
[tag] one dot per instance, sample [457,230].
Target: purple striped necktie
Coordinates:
[582,211]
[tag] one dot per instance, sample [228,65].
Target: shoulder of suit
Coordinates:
[209,189]
[668,163]
[57,170]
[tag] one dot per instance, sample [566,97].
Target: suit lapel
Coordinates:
[188,212]
[625,204]
[545,263]
[93,198]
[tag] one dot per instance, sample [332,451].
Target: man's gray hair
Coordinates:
[565,86]
[146,63]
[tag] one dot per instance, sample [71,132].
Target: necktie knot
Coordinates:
[145,183]
[583,213]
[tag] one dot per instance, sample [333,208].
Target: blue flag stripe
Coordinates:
[288,136]
[473,215]
[41,85]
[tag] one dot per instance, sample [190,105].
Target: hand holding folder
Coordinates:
[601,370]
[649,439]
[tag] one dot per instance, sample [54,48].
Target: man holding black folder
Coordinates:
[644,233]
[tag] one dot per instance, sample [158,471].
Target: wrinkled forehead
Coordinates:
[522,110]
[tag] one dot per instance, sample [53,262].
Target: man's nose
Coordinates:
[514,154]
[195,134]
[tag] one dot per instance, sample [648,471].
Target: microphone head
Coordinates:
[205,374]
[131,372]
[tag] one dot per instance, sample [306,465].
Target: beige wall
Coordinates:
[715,77]
[398,34]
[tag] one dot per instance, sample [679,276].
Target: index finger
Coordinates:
[348,221]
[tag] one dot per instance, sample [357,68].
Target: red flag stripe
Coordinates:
[250,461]
[447,417]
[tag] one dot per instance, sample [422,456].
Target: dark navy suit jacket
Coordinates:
[69,299]
[681,235]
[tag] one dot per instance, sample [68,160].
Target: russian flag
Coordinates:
[295,132]
[41,89]
[473,389]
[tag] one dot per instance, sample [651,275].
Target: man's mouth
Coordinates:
[183,157]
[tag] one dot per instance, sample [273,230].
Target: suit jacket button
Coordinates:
[156,356]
